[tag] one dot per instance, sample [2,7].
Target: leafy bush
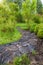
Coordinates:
[38,18]
[7,18]
[32,27]
[8,23]
[36,28]
[20,18]
[40,31]
[29,23]
[28,9]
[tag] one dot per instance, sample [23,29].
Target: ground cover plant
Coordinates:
[22,60]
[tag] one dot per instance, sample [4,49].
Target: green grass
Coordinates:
[22,60]
[22,25]
[9,37]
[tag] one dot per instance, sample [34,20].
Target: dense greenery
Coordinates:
[8,18]
[39,7]
[11,14]
[33,20]
[25,14]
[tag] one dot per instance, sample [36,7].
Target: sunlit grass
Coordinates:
[9,37]
[22,25]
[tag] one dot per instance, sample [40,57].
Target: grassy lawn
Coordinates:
[9,37]
[22,25]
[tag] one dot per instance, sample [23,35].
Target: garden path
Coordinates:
[26,44]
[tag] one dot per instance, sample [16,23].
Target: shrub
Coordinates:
[8,14]
[29,23]
[7,19]
[41,19]
[37,18]
[14,9]
[32,27]
[28,9]
[20,18]
[36,29]
[40,31]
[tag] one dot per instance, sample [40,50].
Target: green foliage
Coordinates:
[40,31]
[32,27]
[28,9]
[33,52]
[14,9]
[38,18]
[36,29]
[10,14]
[22,60]
[8,23]
[20,18]
[22,25]
[39,6]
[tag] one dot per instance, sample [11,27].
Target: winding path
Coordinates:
[25,45]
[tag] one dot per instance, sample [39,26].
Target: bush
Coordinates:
[8,16]
[20,18]
[38,18]
[36,29]
[15,10]
[40,31]
[31,25]
[7,19]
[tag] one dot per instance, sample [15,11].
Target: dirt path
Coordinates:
[26,44]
